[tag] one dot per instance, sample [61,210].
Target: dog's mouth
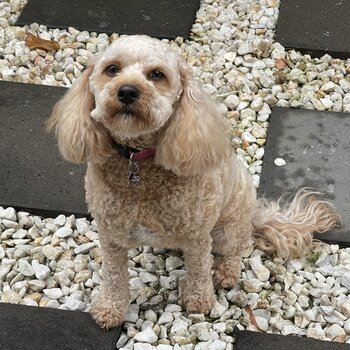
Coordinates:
[137,115]
[125,112]
[128,112]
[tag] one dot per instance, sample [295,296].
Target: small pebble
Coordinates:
[280,162]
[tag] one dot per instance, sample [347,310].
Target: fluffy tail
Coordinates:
[288,230]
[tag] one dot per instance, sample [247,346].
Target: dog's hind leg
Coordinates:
[232,232]
[229,242]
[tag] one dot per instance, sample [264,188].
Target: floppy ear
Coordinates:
[196,136]
[80,137]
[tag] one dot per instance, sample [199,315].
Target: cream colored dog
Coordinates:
[161,172]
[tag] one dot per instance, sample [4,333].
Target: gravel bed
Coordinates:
[56,262]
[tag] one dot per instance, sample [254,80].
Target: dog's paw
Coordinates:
[108,314]
[224,280]
[198,303]
[226,273]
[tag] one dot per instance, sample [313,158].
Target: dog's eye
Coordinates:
[156,75]
[112,70]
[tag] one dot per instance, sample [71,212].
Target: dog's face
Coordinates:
[142,92]
[136,84]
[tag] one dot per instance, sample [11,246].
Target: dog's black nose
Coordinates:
[128,94]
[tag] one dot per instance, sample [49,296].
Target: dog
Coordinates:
[161,171]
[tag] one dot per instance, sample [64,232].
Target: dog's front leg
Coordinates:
[111,304]
[198,294]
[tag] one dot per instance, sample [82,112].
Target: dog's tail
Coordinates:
[288,229]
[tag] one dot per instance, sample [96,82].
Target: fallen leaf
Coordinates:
[252,317]
[34,42]
[280,63]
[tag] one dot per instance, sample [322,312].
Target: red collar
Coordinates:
[144,154]
[133,153]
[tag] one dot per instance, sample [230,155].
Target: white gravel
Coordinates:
[308,296]
[56,262]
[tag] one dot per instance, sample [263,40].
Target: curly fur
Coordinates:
[194,195]
[80,138]
[194,138]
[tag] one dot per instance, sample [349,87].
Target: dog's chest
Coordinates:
[159,211]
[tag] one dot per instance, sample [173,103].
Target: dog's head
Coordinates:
[140,89]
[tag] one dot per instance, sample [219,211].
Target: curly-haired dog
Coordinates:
[161,172]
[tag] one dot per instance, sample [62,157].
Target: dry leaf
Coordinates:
[280,63]
[34,42]
[252,317]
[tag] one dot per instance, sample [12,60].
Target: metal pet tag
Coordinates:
[134,168]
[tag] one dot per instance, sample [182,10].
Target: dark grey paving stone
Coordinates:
[33,175]
[162,19]
[315,146]
[246,340]
[28,328]
[315,27]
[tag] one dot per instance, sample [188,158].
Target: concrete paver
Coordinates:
[162,19]
[315,146]
[315,27]
[33,175]
[30,327]
[246,340]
